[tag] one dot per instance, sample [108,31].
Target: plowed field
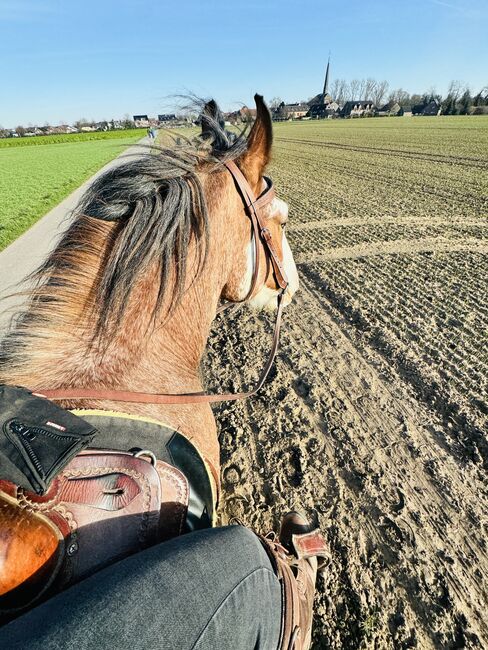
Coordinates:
[375,417]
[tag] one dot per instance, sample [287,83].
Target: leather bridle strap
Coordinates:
[253,207]
[261,234]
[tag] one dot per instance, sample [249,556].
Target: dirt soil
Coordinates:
[374,418]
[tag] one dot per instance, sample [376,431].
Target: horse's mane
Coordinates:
[158,204]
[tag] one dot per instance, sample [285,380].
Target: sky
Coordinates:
[61,60]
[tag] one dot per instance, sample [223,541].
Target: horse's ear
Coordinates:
[211,120]
[258,154]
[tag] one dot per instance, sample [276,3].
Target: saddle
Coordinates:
[100,505]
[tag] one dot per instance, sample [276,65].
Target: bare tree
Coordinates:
[335,87]
[400,96]
[354,89]
[79,124]
[20,130]
[369,88]
[343,92]
[340,91]
[379,92]
[275,102]
[449,105]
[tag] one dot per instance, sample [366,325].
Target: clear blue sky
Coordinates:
[65,59]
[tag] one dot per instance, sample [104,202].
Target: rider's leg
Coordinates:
[214,589]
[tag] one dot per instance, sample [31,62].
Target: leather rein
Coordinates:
[260,233]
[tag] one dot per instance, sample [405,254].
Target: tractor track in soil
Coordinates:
[408,185]
[465,161]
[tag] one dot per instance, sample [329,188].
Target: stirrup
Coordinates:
[290,554]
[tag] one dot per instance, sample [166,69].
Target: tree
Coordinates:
[368,88]
[401,97]
[354,89]
[275,102]
[79,124]
[127,123]
[340,91]
[334,88]
[379,91]
[416,99]
[20,131]
[481,99]
[449,104]
[465,102]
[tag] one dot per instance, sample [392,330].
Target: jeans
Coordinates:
[213,589]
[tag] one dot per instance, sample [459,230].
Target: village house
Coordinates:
[140,120]
[244,114]
[167,117]
[432,108]
[391,109]
[358,108]
[290,111]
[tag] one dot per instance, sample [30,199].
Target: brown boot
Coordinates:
[294,558]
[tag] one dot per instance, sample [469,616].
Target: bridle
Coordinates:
[261,236]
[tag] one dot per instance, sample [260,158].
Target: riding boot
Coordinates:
[293,555]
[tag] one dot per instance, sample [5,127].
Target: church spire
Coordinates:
[326,82]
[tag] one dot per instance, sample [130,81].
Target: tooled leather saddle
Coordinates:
[77,494]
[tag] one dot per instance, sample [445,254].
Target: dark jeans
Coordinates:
[213,589]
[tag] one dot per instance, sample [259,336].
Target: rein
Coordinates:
[261,233]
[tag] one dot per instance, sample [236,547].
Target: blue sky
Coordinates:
[63,60]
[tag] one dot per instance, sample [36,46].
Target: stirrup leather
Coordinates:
[297,584]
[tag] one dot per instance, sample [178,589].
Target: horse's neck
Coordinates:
[140,357]
[57,349]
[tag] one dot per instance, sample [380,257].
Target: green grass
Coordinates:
[34,179]
[70,137]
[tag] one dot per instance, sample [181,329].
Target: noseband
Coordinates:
[260,235]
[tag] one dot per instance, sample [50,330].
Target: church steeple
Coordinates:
[326,82]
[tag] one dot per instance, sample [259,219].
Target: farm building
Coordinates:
[429,108]
[358,108]
[392,108]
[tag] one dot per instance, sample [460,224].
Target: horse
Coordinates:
[126,299]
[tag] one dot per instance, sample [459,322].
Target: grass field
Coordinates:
[375,420]
[37,173]
[61,138]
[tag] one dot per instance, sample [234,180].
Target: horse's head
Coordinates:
[252,162]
